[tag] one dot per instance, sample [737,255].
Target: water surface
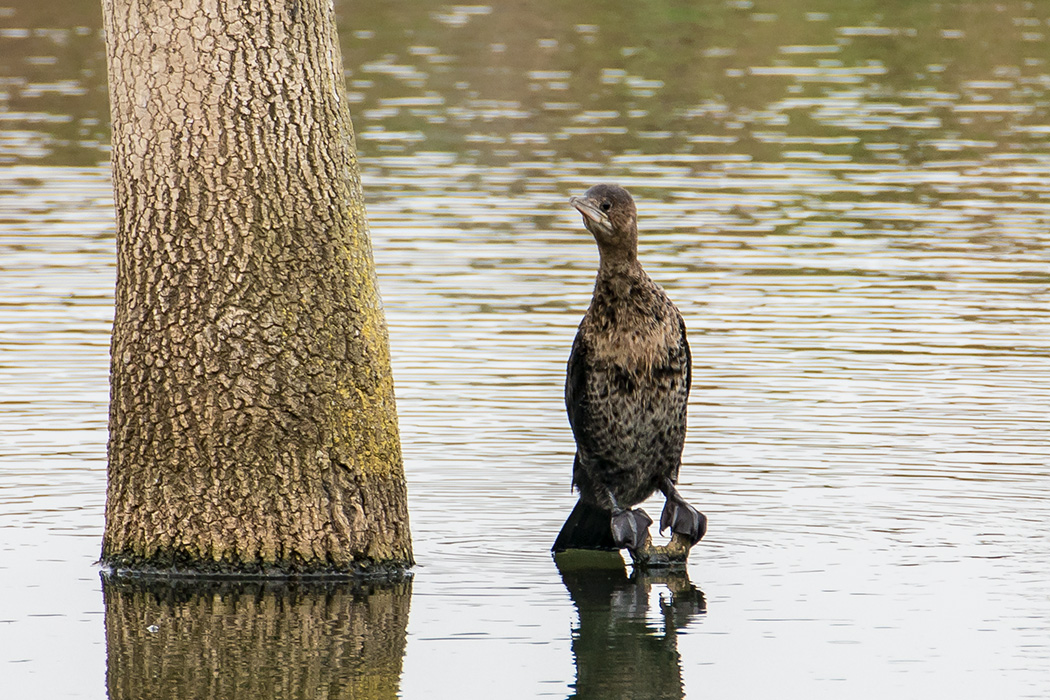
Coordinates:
[848,202]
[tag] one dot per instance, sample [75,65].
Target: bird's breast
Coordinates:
[637,346]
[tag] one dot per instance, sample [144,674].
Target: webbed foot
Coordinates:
[683,519]
[630,528]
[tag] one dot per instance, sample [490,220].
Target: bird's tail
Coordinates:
[587,527]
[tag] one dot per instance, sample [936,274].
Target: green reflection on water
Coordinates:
[900,82]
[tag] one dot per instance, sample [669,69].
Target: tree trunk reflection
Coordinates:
[254,640]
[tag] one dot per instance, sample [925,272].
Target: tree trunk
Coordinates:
[252,418]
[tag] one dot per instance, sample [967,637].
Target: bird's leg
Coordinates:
[630,528]
[680,516]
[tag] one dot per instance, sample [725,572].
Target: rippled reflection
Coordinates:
[622,647]
[254,641]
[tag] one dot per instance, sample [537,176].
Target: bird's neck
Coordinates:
[618,262]
[618,278]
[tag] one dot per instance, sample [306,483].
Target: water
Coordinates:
[848,202]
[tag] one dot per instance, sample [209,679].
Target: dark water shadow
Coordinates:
[254,640]
[619,650]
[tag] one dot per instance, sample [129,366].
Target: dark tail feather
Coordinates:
[587,527]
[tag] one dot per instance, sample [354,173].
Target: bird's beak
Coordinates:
[593,217]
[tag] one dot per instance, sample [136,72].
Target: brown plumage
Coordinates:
[626,391]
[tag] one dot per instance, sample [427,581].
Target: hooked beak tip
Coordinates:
[585,207]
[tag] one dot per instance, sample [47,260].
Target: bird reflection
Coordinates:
[620,650]
[254,640]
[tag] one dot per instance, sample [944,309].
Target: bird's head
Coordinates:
[611,217]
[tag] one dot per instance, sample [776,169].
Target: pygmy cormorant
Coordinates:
[626,391]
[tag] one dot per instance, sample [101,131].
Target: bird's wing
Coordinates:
[575,381]
[688,357]
[683,348]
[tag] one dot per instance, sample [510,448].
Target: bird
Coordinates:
[626,392]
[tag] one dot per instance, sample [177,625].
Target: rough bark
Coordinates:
[252,640]
[252,417]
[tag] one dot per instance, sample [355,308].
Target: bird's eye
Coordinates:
[606,206]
